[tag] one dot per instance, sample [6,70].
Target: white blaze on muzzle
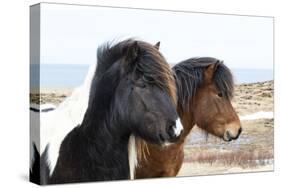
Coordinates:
[178,129]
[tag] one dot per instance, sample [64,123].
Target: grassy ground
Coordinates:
[206,154]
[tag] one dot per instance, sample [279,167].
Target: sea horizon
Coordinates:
[73,75]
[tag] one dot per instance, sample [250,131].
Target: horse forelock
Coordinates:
[156,70]
[151,63]
[190,75]
[223,79]
[110,56]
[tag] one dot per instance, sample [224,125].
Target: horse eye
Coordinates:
[147,78]
[141,85]
[220,94]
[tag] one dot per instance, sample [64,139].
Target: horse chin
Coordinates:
[166,144]
[229,136]
[162,142]
[170,142]
[226,139]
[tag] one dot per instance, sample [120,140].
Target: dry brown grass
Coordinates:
[241,158]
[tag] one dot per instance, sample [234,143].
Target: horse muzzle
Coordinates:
[231,135]
[174,130]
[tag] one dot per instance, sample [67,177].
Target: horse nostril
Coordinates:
[171,124]
[229,137]
[239,131]
[161,137]
[171,129]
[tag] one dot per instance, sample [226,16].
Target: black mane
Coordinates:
[190,76]
[153,66]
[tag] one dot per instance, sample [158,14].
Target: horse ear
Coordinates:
[209,72]
[132,52]
[157,45]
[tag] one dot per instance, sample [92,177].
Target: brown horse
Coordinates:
[205,89]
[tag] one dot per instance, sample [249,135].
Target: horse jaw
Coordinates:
[132,152]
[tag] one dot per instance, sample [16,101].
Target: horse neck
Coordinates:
[108,145]
[101,156]
[99,125]
[108,138]
[187,121]
[99,112]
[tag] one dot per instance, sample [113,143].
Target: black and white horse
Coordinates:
[132,93]
[56,122]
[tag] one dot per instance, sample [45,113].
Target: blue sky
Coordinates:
[71,34]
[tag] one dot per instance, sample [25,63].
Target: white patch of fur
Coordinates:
[166,144]
[55,125]
[42,107]
[48,105]
[178,129]
[133,159]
